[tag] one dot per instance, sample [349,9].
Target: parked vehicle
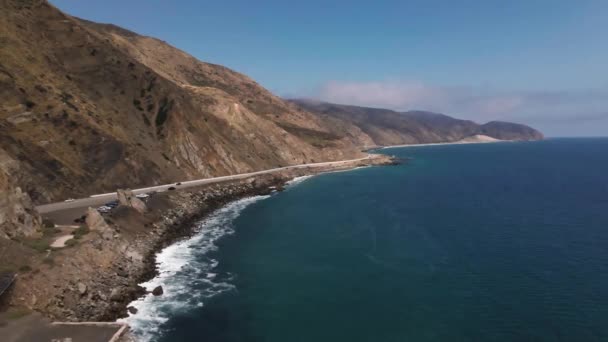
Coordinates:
[171,188]
[104,209]
[112,204]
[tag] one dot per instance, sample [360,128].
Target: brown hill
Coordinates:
[87,108]
[386,127]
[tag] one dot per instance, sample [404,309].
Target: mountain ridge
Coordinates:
[87,108]
[389,127]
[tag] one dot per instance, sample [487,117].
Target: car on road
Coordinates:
[104,209]
[178,183]
[171,188]
[142,196]
[112,204]
[69,200]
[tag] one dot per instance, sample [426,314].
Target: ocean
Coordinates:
[479,242]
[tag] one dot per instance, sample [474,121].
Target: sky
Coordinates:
[538,62]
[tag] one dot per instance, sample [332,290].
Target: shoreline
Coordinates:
[188,227]
[442,144]
[99,277]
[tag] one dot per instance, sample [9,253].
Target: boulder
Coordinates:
[128,199]
[138,205]
[123,196]
[82,289]
[132,310]
[96,222]
[18,216]
[158,291]
[116,295]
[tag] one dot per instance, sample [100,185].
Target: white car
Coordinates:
[69,200]
[104,209]
[142,196]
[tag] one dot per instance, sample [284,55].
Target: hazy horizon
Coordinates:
[540,63]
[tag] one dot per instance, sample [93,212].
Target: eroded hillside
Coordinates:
[87,108]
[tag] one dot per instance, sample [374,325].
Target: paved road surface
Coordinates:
[75,208]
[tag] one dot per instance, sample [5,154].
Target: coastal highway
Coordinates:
[80,205]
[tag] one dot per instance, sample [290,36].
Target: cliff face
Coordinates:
[386,127]
[510,131]
[18,218]
[88,108]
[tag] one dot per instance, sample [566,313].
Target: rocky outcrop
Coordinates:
[97,223]
[158,291]
[18,217]
[128,199]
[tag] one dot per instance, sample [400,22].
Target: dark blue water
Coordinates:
[489,242]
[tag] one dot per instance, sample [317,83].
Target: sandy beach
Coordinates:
[476,139]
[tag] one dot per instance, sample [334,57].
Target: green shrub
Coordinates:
[81,231]
[163,111]
[25,268]
[46,223]
[71,242]
[40,245]
[17,313]
[47,232]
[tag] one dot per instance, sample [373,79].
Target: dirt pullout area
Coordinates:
[36,328]
[96,276]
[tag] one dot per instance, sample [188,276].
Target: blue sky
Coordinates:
[538,62]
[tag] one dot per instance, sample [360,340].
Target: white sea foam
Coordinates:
[349,170]
[182,267]
[298,180]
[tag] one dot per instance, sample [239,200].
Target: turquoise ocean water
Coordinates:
[484,242]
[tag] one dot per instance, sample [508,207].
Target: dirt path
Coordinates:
[34,327]
[60,241]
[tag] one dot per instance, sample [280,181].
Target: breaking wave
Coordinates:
[298,180]
[185,271]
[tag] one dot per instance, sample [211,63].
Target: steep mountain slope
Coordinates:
[87,108]
[509,131]
[387,127]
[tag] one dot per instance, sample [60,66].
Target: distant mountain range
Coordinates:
[87,108]
[386,127]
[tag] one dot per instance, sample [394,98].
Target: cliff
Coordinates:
[18,217]
[88,108]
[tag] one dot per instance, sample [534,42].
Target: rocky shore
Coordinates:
[96,278]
